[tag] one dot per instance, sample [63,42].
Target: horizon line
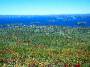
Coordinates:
[41,14]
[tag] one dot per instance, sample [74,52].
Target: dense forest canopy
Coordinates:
[44,45]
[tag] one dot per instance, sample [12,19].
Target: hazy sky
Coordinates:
[44,7]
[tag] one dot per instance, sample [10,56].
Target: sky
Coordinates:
[44,7]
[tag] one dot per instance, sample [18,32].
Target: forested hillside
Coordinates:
[44,46]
